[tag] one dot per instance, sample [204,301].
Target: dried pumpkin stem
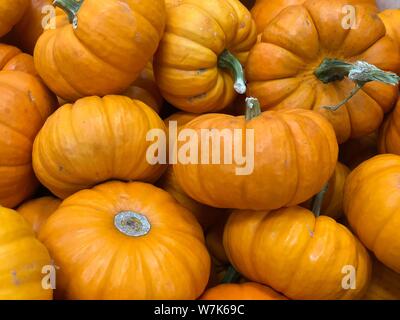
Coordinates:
[231,275]
[227,60]
[253,108]
[318,200]
[132,224]
[70,7]
[360,73]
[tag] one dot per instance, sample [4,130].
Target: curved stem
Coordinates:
[318,200]
[253,108]
[360,73]
[231,275]
[227,60]
[70,7]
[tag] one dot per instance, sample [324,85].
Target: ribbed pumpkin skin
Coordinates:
[197,32]
[111,45]
[280,69]
[97,261]
[389,136]
[93,141]
[22,258]
[11,11]
[371,202]
[24,106]
[12,59]
[302,143]
[385,283]
[243,291]
[295,253]
[391,19]
[37,211]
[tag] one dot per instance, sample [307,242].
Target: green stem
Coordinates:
[359,72]
[70,7]
[318,200]
[231,275]
[253,108]
[227,60]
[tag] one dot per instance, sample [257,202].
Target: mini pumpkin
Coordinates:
[11,11]
[371,202]
[283,150]
[37,211]
[93,141]
[307,59]
[391,19]
[12,59]
[126,241]
[109,42]
[389,135]
[297,254]
[198,64]
[22,259]
[243,291]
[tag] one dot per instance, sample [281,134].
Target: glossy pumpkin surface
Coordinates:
[266,247]
[22,259]
[93,141]
[11,11]
[12,59]
[282,68]
[371,201]
[110,43]
[156,251]
[197,34]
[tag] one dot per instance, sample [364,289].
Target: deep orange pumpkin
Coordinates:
[294,65]
[93,141]
[389,136]
[12,59]
[297,254]
[109,42]
[391,19]
[11,11]
[243,291]
[126,241]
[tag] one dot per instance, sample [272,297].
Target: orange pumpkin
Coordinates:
[93,141]
[306,59]
[385,284]
[109,42]
[145,89]
[23,258]
[264,11]
[37,211]
[391,19]
[288,148]
[371,202]
[297,254]
[214,241]
[389,136]
[201,53]
[126,241]
[243,291]
[356,151]
[11,11]
[12,59]
[24,106]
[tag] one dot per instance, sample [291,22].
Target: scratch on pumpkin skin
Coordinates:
[31,97]
[15,279]
[199,97]
[310,232]
[201,71]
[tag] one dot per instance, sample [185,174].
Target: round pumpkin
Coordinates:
[356,151]
[37,211]
[198,64]
[243,291]
[126,241]
[12,59]
[289,147]
[109,42]
[305,59]
[385,283]
[371,202]
[22,258]
[297,254]
[391,19]
[95,140]
[145,89]
[389,136]
[11,11]
[24,106]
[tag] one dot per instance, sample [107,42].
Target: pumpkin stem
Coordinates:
[132,224]
[227,60]
[360,73]
[231,275]
[71,8]
[318,200]
[253,108]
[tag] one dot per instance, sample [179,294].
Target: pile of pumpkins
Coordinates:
[85,215]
